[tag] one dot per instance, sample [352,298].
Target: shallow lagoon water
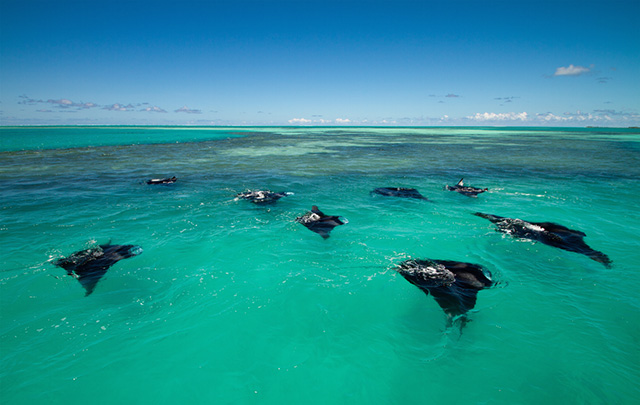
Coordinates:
[236,303]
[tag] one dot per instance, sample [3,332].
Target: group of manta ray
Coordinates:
[454,285]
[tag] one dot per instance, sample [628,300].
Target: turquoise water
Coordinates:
[236,303]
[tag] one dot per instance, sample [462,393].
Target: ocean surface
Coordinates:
[232,302]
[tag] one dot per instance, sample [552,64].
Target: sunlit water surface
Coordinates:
[231,302]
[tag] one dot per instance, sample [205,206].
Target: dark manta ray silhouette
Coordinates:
[90,265]
[167,180]
[466,190]
[454,285]
[399,192]
[548,233]
[262,196]
[320,223]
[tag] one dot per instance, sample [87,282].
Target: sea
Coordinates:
[232,302]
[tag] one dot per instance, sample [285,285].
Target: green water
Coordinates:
[236,303]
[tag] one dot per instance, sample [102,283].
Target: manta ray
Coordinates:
[466,190]
[454,285]
[262,196]
[548,233]
[167,180]
[320,223]
[90,265]
[399,192]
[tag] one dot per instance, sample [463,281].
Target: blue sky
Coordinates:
[306,62]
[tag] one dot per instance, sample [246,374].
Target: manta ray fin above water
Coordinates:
[90,265]
[549,233]
[454,285]
[262,197]
[320,223]
[399,192]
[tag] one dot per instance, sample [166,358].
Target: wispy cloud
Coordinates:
[448,95]
[119,107]
[596,117]
[568,117]
[571,70]
[487,116]
[154,109]
[27,100]
[506,99]
[320,121]
[66,105]
[610,112]
[63,102]
[185,109]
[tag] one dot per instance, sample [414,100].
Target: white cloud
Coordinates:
[598,116]
[571,71]
[299,121]
[512,116]
[549,117]
[320,121]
